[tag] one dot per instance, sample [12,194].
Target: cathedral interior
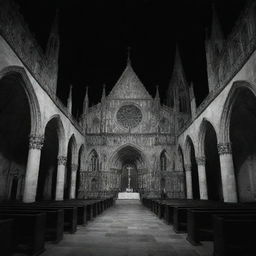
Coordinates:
[147,169]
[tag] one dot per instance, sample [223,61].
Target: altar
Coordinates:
[128,195]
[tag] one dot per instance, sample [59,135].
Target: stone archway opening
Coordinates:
[129,161]
[46,188]
[71,156]
[243,140]
[194,170]
[212,164]
[15,127]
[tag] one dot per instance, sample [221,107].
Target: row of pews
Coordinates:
[231,226]
[24,228]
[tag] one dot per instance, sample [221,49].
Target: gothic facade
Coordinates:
[130,128]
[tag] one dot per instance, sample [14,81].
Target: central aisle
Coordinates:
[127,229]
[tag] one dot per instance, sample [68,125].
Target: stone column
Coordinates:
[72,194]
[227,173]
[189,181]
[62,160]
[202,178]
[32,171]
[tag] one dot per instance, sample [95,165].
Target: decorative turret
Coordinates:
[157,99]
[213,46]
[52,51]
[69,103]
[192,100]
[86,102]
[178,95]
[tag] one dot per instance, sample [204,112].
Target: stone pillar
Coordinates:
[202,178]
[227,173]
[32,171]
[72,194]
[62,160]
[189,181]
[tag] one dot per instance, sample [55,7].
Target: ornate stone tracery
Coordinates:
[129,116]
[36,141]
[224,148]
[62,160]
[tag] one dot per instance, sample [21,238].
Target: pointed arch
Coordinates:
[192,165]
[163,161]
[80,168]
[93,159]
[20,74]
[239,121]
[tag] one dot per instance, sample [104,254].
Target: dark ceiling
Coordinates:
[95,36]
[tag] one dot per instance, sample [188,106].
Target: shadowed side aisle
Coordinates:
[126,229]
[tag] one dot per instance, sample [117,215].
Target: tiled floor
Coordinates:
[127,229]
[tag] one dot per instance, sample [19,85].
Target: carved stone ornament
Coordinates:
[129,116]
[62,160]
[224,148]
[36,141]
[187,167]
[74,167]
[200,160]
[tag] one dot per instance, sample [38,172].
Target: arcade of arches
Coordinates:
[129,140]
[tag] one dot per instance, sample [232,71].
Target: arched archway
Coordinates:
[80,168]
[209,149]
[181,166]
[129,161]
[53,141]
[163,161]
[238,123]
[19,115]
[191,160]
[71,162]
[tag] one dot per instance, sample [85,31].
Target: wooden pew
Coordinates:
[6,227]
[200,222]
[234,235]
[28,232]
[54,220]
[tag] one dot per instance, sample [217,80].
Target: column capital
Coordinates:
[36,141]
[62,160]
[224,148]
[200,160]
[187,167]
[74,167]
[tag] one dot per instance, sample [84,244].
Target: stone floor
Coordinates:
[126,229]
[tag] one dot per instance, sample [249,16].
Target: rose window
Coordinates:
[129,116]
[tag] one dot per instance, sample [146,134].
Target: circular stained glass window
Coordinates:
[129,116]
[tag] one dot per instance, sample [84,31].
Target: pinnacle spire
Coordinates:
[69,103]
[86,101]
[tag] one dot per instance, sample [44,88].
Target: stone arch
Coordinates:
[192,165]
[228,106]
[208,148]
[93,161]
[80,168]
[238,118]
[135,147]
[163,161]
[60,132]
[70,166]
[20,119]
[54,146]
[35,113]
[128,160]
[201,136]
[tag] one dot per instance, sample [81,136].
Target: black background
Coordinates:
[95,35]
